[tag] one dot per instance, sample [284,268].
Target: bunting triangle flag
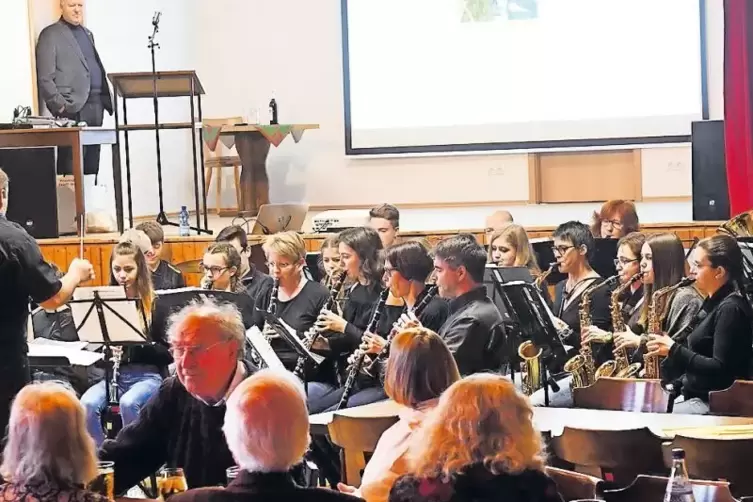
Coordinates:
[297,133]
[228,140]
[275,134]
[211,135]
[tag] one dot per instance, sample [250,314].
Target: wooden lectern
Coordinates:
[167,84]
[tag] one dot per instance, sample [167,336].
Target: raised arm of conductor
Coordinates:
[44,288]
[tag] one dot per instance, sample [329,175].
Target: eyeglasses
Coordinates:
[561,250]
[179,351]
[278,266]
[214,270]
[388,271]
[624,261]
[614,223]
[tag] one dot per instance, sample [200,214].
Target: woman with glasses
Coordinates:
[298,300]
[662,264]
[628,264]
[222,265]
[615,219]
[718,349]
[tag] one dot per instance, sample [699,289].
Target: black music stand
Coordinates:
[285,332]
[117,312]
[528,310]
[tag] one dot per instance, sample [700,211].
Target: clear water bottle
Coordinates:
[679,488]
[184,229]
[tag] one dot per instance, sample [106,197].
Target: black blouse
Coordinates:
[432,317]
[718,350]
[357,310]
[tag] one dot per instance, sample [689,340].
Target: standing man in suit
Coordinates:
[72,80]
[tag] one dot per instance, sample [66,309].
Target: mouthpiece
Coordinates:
[686,281]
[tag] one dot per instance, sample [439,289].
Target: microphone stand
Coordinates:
[153,45]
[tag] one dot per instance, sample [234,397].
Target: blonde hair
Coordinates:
[288,244]
[267,423]
[517,238]
[479,419]
[47,438]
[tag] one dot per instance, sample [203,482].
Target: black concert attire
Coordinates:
[23,274]
[433,316]
[631,308]
[166,276]
[256,283]
[477,484]
[300,313]
[718,351]
[473,332]
[176,429]
[263,487]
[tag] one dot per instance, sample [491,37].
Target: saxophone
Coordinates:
[310,336]
[620,367]
[652,363]
[582,366]
[359,355]
[541,278]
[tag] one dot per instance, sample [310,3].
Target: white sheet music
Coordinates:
[70,350]
[264,349]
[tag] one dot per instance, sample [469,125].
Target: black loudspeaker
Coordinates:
[710,195]
[33,190]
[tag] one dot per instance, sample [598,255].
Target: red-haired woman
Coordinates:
[615,220]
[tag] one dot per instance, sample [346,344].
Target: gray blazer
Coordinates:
[62,72]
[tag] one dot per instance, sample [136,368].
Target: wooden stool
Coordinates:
[217,161]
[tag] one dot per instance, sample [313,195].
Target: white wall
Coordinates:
[16,81]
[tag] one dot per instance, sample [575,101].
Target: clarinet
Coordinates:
[111,421]
[271,309]
[312,334]
[416,311]
[360,355]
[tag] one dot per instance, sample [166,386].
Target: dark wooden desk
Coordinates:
[553,420]
[76,138]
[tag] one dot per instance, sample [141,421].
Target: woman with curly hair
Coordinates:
[478,445]
[615,220]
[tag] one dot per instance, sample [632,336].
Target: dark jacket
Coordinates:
[473,332]
[166,277]
[477,484]
[262,487]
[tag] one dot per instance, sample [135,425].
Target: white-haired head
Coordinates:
[47,438]
[267,422]
[207,340]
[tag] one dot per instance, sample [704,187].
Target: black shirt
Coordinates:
[23,274]
[432,317]
[256,284]
[357,310]
[166,277]
[299,313]
[718,350]
[86,44]
[472,332]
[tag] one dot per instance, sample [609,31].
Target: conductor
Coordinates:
[24,274]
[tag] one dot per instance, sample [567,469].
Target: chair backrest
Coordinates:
[218,152]
[645,488]
[718,459]
[619,454]
[574,485]
[357,436]
[734,401]
[623,394]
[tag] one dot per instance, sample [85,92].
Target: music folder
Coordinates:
[288,334]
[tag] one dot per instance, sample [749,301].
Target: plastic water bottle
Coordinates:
[679,488]
[184,230]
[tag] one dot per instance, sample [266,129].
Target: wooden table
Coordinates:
[76,138]
[253,149]
[553,420]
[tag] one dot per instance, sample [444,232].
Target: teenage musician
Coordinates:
[222,264]
[407,267]
[254,281]
[329,259]
[473,331]
[141,367]
[510,247]
[298,299]
[718,350]
[360,256]
[615,220]
[385,219]
[628,263]
[663,265]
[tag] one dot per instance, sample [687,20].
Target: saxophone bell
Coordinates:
[530,367]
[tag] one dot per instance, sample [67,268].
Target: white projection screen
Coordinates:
[441,75]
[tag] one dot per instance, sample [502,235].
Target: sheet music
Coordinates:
[265,350]
[73,353]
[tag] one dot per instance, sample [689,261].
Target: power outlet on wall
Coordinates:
[496,171]
[675,166]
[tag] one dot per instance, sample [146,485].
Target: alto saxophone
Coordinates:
[541,278]
[652,363]
[311,335]
[620,367]
[582,366]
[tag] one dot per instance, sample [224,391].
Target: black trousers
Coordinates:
[92,113]
[13,377]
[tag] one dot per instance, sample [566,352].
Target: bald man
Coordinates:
[497,221]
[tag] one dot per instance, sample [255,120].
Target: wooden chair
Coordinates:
[716,459]
[623,394]
[734,401]
[574,485]
[645,488]
[217,161]
[356,437]
[619,456]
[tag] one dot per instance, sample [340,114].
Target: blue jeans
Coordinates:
[324,397]
[136,384]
